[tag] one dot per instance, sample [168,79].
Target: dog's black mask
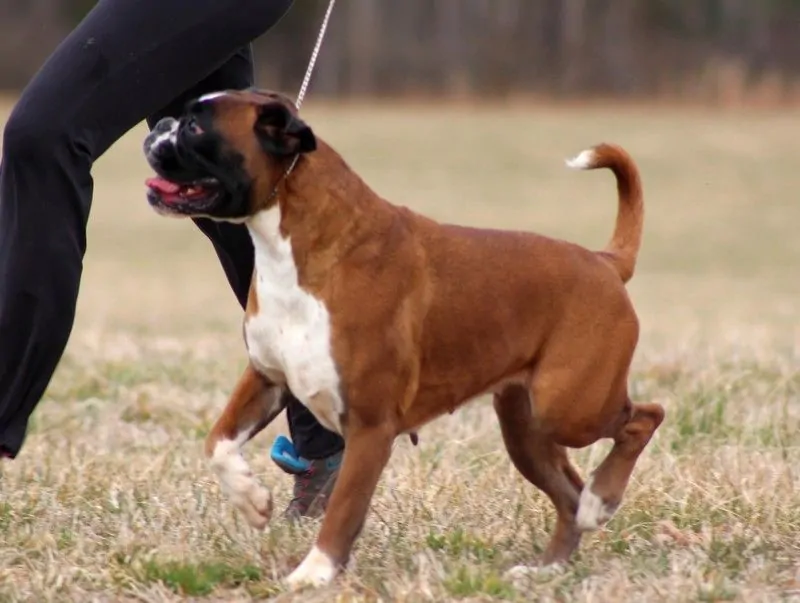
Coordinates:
[200,159]
[197,174]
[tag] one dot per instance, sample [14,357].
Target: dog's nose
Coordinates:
[164,125]
[161,137]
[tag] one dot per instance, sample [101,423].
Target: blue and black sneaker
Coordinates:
[313,479]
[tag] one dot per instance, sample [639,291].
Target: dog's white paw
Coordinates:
[256,506]
[237,482]
[593,511]
[316,570]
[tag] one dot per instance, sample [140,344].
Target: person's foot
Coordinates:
[313,487]
[313,479]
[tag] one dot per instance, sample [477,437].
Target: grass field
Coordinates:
[111,500]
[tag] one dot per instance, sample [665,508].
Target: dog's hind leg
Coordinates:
[605,487]
[543,463]
[254,403]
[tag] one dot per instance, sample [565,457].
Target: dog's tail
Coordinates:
[623,248]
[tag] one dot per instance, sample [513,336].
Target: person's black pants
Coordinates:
[128,60]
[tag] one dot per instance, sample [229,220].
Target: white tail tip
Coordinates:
[583,161]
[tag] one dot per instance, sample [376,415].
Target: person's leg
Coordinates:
[124,61]
[311,440]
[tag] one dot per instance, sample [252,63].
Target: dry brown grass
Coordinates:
[110,499]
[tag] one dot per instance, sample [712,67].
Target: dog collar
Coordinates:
[288,171]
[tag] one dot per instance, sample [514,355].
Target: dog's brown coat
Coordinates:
[426,316]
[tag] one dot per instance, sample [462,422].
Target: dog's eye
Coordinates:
[193,127]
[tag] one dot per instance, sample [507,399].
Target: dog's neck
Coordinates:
[319,209]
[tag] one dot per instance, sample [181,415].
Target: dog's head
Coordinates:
[225,155]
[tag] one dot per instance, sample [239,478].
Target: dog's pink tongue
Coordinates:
[163,186]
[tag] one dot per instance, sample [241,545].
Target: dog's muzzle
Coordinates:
[182,185]
[165,149]
[160,144]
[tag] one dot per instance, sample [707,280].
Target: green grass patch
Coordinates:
[467,582]
[197,579]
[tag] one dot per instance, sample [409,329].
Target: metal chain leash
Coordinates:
[313,60]
[304,86]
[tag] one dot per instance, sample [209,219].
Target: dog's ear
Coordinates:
[281,132]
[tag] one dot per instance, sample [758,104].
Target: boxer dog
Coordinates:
[380,320]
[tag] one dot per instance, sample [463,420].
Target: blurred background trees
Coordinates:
[710,50]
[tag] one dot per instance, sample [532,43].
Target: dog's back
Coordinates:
[494,298]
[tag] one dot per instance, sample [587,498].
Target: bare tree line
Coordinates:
[694,49]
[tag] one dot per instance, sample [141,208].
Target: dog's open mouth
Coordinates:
[199,192]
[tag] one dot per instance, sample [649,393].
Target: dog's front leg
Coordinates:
[254,403]
[367,450]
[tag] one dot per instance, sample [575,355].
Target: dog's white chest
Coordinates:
[290,335]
